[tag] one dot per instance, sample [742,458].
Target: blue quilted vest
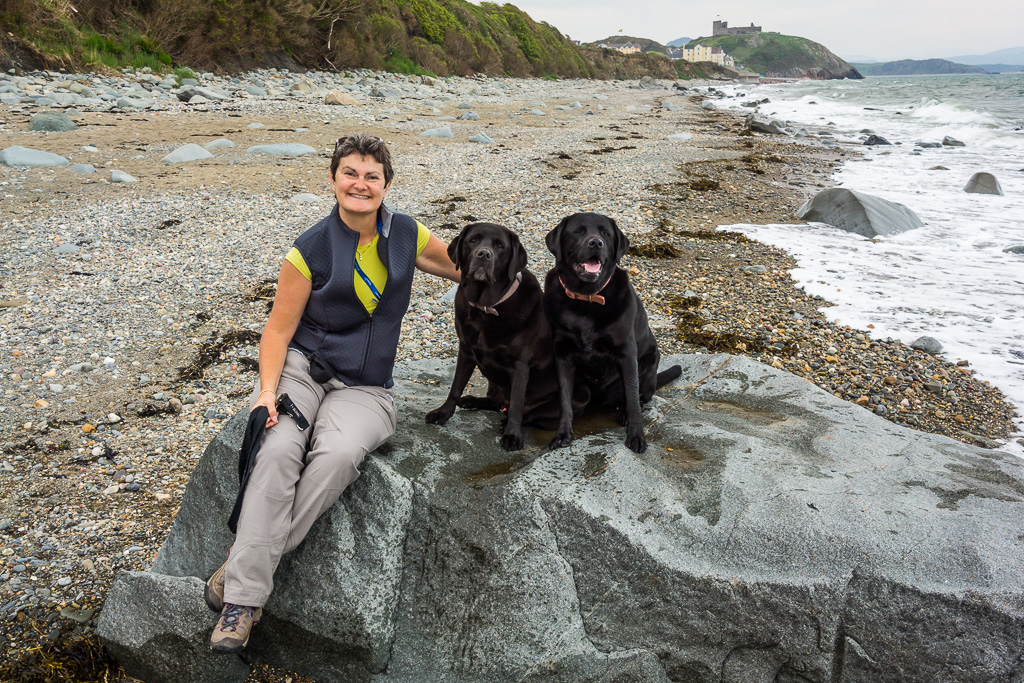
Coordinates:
[335,325]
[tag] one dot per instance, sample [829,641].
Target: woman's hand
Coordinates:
[268,400]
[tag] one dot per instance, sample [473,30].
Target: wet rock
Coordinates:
[952,142]
[859,213]
[926,344]
[983,183]
[876,140]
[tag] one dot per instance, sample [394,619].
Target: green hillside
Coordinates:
[914,67]
[441,37]
[780,56]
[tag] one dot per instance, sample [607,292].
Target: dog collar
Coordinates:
[511,290]
[594,298]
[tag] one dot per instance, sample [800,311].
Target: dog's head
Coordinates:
[587,246]
[487,253]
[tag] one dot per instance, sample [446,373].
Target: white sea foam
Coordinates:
[951,279]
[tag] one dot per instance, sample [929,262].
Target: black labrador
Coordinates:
[600,327]
[502,329]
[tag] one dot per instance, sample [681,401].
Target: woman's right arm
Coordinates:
[290,301]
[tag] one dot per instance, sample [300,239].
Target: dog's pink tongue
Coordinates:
[592,267]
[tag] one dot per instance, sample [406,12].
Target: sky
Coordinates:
[884,30]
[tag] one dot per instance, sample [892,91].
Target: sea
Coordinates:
[957,279]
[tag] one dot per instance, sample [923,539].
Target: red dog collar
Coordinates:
[594,298]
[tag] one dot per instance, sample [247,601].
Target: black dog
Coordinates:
[502,329]
[600,325]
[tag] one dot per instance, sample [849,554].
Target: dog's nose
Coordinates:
[595,243]
[484,254]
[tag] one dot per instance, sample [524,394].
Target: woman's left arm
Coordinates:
[434,259]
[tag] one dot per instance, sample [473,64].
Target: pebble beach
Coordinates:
[130,311]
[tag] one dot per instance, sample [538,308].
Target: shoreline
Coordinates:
[171,275]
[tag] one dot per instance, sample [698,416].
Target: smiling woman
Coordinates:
[329,347]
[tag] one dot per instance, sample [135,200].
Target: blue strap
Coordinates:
[369,283]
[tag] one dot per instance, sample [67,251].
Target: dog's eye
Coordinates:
[499,245]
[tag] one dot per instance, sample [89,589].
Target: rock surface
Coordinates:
[857,212]
[983,183]
[772,532]
[23,156]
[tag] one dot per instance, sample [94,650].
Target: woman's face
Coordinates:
[358,184]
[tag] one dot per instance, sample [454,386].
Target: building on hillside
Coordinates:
[721,28]
[624,48]
[705,53]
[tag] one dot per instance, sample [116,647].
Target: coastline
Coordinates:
[171,276]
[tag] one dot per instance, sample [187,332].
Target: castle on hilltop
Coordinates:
[721,28]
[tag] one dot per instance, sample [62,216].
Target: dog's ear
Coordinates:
[621,241]
[554,241]
[455,249]
[517,257]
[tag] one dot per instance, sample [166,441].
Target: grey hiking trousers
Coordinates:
[299,474]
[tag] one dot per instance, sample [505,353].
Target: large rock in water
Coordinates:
[983,183]
[857,212]
[771,532]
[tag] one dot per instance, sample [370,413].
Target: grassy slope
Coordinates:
[910,67]
[774,54]
[439,37]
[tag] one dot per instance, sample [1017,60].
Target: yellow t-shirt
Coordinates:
[370,263]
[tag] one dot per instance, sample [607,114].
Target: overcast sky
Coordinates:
[882,29]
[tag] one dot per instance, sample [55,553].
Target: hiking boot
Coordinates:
[231,634]
[213,593]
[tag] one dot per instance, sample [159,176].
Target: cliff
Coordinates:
[779,56]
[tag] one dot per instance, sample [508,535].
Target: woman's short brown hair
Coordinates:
[364,145]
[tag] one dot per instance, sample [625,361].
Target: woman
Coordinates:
[330,344]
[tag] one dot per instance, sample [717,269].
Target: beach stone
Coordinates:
[1015,249]
[481,138]
[759,126]
[254,126]
[186,153]
[926,344]
[679,137]
[131,103]
[337,97]
[198,99]
[708,105]
[219,143]
[470,116]
[537,112]
[158,627]
[280,149]
[257,91]
[24,156]
[859,213]
[815,540]
[928,145]
[983,183]
[51,122]
[444,132]
[122,177]
[952,142]
[82,168]
[304,197]
[876,140]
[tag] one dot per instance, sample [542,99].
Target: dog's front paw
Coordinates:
[440,415]
[512,442]
[560,441]
[473,403]
[636,442]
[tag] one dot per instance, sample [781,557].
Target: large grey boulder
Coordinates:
[983,183]
[282,149]
[51,122]
[187,153]
[857,212]
[771,532]
[159,627]
[24,156]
